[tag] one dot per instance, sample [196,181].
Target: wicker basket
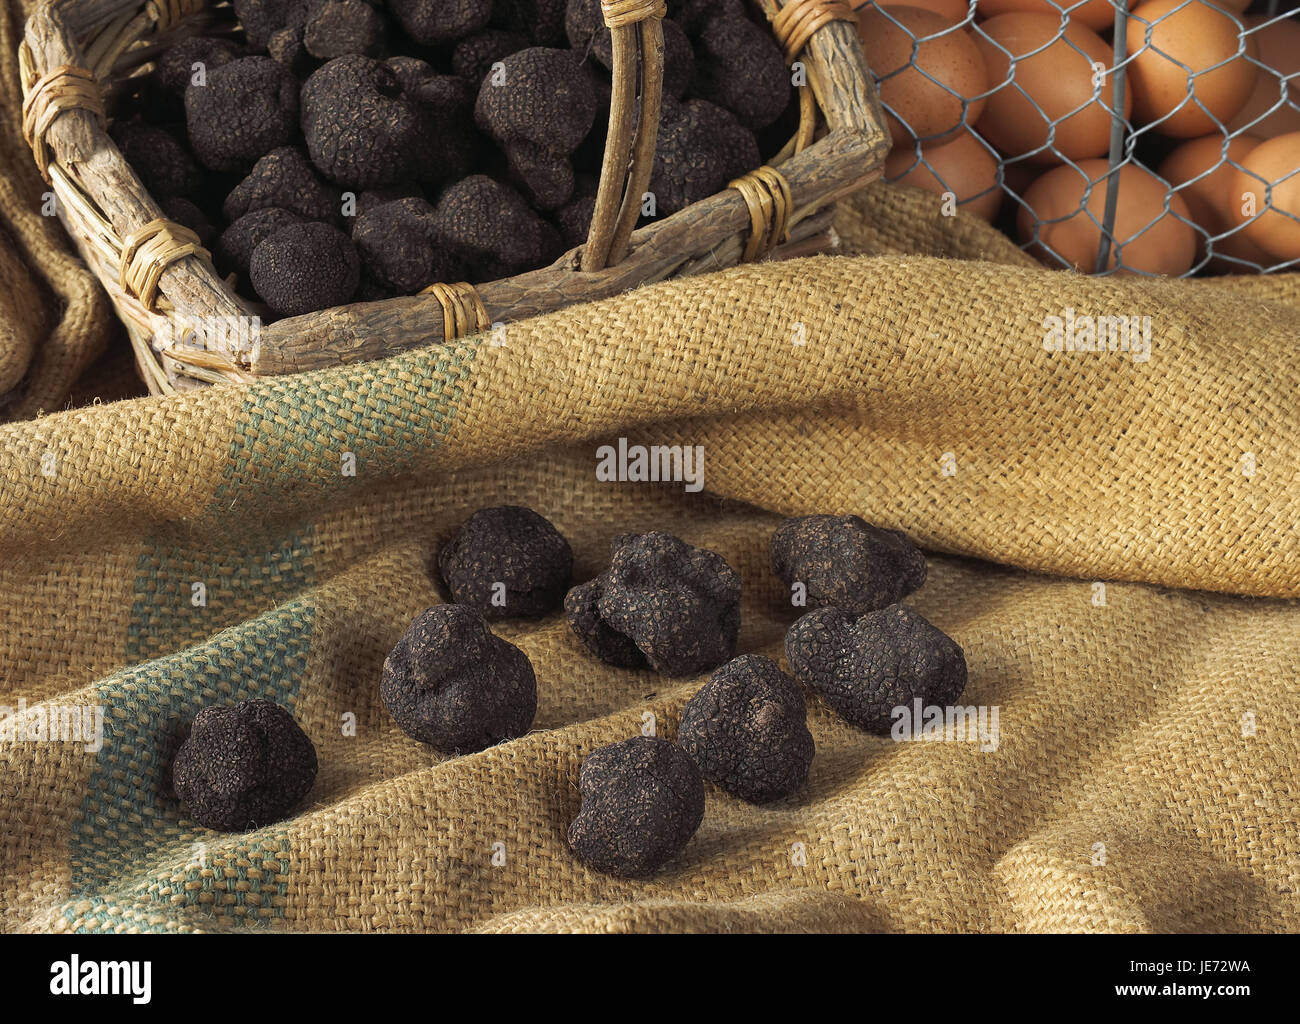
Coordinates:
[187,326]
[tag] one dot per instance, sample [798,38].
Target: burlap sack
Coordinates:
[1140,637]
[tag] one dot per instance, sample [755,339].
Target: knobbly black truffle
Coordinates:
[453,685]
[288,48]
[163,165]
[286,179]
[398,247]
[305,267]
[662,603]
[474,56]
[868,666]
[642,801]
[177,65]
[247,108]
[492,228]
[431,22]
[539,113]
[260,18]
[701,149]
[449,147]
[361,130]
[846,562]
[739,67]
[507,562]
[236,244]
[747,730]
[336,28]
[243,766]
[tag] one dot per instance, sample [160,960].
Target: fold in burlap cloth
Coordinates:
[1149,728]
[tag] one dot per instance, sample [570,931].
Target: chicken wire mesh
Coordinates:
[1109,136]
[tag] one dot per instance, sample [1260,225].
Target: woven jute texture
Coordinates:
[1112,540]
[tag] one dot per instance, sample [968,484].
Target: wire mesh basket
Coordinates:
[1111,136]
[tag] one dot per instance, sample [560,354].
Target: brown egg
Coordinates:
[1147,238]
[1059,79]
[1184,44]
[952,11]
[1209,198]
[930,110]
[964,166]
[1276,161]
[1279,50]
[1095,14]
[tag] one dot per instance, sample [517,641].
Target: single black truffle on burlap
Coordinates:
[868,666]
[747,730]
[507,562]
[846,562]
[662,603]
[362,131]
[642,801]
[452,684]
[305,267]
[243,766]
[285,178]
[247,108]
[702,148]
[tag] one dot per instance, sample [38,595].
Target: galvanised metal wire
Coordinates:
[1126,136]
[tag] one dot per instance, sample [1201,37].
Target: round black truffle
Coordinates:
[867,667]
[163,165]
[260,18]
[431,22]
[493,229]
[739,67]
[305,267]
[453,685]
[474,56]
[541,20]
[236,244]
[747,730]
[177,65]
[247,108]
[398,248]
[507,562]
[677,606]
[243,766]
[701,149]
[846,562]
[286,179]
[642,801]
[336,28]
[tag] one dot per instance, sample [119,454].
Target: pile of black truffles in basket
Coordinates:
[661,604]
[330,151]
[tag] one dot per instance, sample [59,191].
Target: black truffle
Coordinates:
[507,562]
[846,562]
[260,18]
[574,218]
[540,112]
[163,165]
[398,247]
[642,800]
[182,211]
[247,108]
[361,130]
[866,667]
[449,145]
[305,267]
[701,149]
[492,229]
[739,67]
[243,766]
[285,178]
[176,66]
[336,28]
[235,246]
[288,48]
[372,199]
[747,730]
[541,20]
[474,56]
[694,15]
[431,22]
[663,603]
[453,685]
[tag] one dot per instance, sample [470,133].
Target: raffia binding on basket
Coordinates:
[146,253]
[67,87]
[463,312]
[767,194]
[794,26]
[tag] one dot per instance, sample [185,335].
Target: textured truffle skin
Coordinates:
[163,165]
[541,20]
[512,545]
[678,605]
[260,18]
[866,667]
[453,685]
[398,247]
[243,766]
[236,244]
[740,68]
[336,28]
[187,214]
[305,267]
[474,56]
[642,801]
[248,107]
[284,178]
[431,22]
[176,65]
[747,730]
[846,562]
[701,149]
[361,130]
[694,15]
[492,228]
